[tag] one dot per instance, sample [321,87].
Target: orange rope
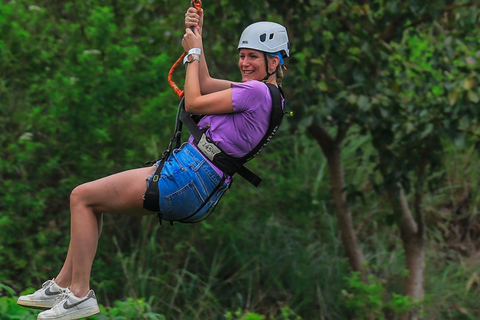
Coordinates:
[197,4]
[174,86]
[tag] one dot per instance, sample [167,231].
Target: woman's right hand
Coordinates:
[193,18]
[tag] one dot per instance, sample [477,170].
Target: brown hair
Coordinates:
[278,73]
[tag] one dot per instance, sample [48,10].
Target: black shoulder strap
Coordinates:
[275,120]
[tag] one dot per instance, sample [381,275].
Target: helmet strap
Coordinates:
[266,68]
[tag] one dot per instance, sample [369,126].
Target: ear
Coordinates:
[273,63]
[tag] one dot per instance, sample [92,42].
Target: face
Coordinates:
[252,65]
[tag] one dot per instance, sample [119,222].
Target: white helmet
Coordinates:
[269,37]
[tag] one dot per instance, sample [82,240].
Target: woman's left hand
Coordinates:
[191,39]
[193,18]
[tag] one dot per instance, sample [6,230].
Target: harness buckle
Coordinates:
[208,148]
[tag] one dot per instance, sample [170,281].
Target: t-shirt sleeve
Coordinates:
[246,94]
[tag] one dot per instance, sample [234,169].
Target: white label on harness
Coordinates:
[208,148]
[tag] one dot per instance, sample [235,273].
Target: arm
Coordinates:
[194,18]
[218,101]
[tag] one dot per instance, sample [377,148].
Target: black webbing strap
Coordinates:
[276,118]
[151,200]
[151,197]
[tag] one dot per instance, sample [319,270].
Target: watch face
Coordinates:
[192,57]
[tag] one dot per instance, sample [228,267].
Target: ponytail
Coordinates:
[279,75]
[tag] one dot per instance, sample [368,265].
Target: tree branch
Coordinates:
[408,223]
[323,138]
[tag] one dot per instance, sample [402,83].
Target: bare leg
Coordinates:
[119,193]
[64,277]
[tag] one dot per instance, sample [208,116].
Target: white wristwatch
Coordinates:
[192,55]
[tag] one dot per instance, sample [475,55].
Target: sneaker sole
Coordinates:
[35,304]
[78,314]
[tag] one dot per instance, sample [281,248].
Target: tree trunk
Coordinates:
[332,151]
[413,238]
[345,223]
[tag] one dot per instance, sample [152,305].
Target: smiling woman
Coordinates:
[252,64]
[267,39]
[236,115]
[238,121]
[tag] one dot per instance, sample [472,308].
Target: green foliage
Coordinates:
[286,314]
[9,310]
[64,118]
[376,65]
[239,315]
[83,94]
[129,309]
[369,299]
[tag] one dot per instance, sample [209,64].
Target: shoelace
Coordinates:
[58,300]
[44,285]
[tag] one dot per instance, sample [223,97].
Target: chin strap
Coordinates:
[266,68]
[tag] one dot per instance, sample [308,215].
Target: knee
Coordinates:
[79,195]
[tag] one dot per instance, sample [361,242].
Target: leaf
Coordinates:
[8,289]
[384,112]
[437,90]
[427,131]
[26,136]
[473,280]
[306,122]
[473,96]
[452,97]
[468,84]
[363,103]
[322,86]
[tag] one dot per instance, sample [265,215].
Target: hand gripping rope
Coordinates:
[175,142]
[198,5]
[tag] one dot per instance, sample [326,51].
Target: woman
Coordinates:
[236,118]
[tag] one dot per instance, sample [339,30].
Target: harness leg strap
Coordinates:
[152,194]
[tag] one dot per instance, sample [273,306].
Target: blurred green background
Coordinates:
[385,96]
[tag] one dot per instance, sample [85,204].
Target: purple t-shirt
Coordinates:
[239,132]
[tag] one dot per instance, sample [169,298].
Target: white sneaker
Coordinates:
[70,307]
[43,298]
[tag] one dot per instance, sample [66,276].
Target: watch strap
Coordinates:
[193,56]
[195,50]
